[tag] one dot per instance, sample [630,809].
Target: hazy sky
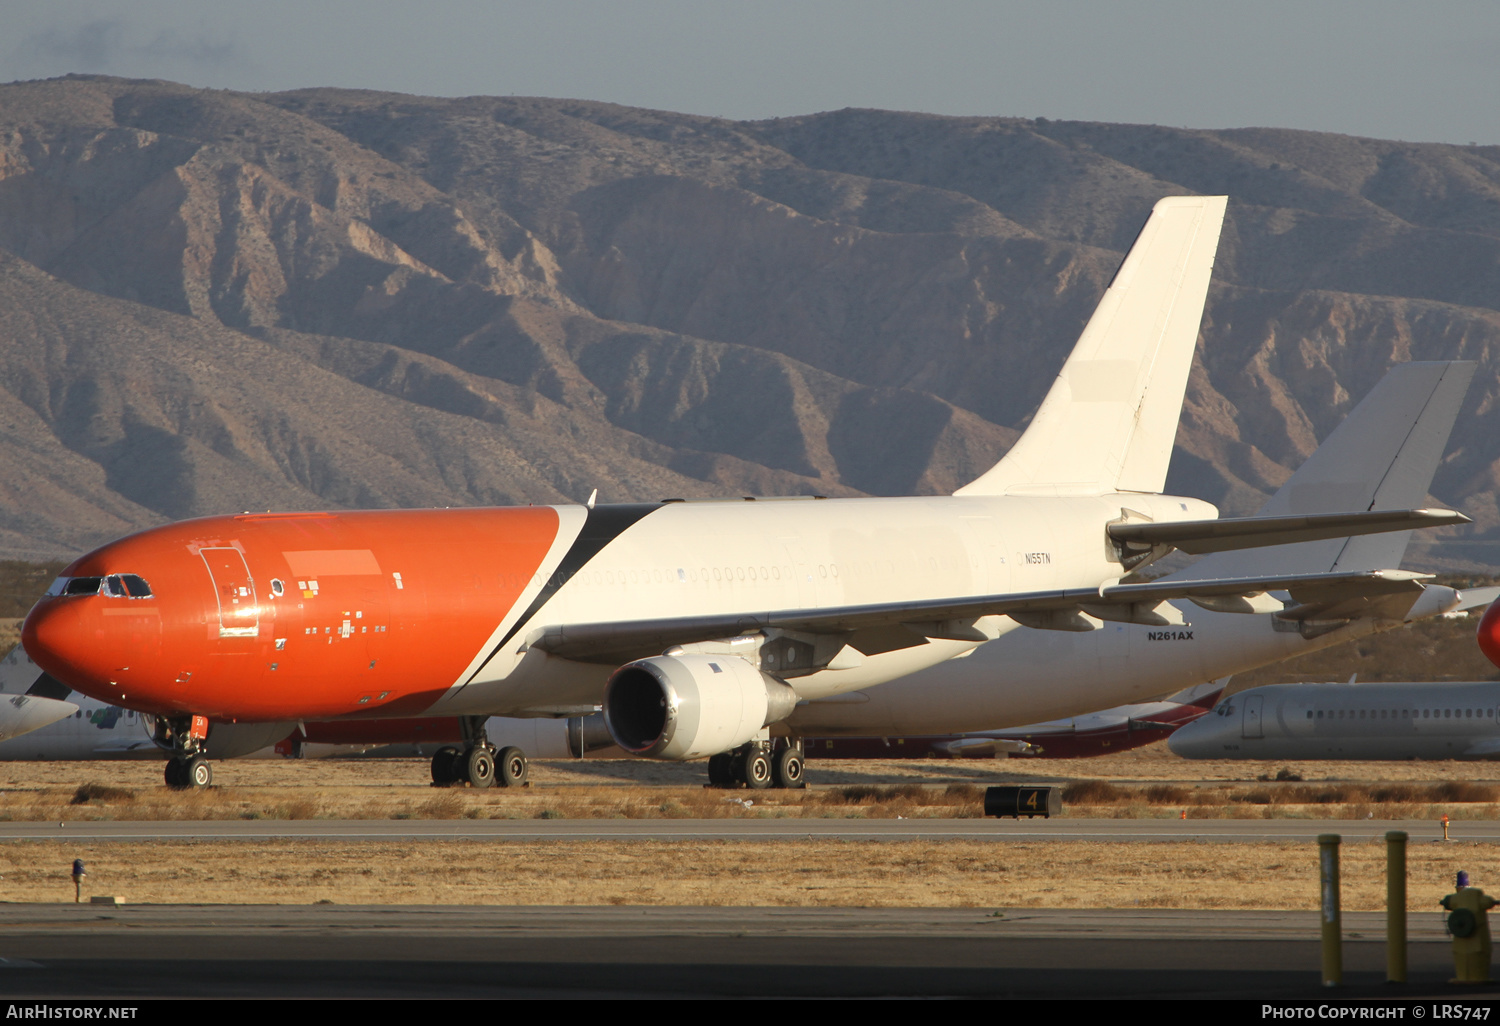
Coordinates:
[1398,69]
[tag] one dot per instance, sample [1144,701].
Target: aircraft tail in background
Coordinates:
[1382,457]
[1110,419]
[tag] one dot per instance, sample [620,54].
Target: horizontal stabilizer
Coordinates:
[1197,537]
[1303,587]
[1475,598]
[21,714]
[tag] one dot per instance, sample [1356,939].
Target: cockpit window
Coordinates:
[135,587]
[115,586]
[83,586]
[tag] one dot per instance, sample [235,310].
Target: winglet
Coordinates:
[1110,419]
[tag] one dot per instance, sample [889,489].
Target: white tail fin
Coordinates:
[1382,456]
[1110,419]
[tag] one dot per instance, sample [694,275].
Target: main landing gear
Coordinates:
[189,766]
[758,765]
[477,763]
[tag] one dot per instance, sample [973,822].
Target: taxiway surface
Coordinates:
[87,952]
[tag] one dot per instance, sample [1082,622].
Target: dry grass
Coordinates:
[399,789]
[957,874]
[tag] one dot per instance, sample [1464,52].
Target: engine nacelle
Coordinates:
[687,706]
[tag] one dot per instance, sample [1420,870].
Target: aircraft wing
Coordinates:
[1489,748]
[1197,537]
[885,627]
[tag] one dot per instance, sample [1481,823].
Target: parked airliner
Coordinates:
[1349,721]
[1075,737]
[698,626]
[1392,442]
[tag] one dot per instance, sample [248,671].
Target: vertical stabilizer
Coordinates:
[1110,419]
[1382,456]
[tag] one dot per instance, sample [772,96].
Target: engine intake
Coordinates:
[687,706]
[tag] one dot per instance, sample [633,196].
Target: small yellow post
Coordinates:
[1331,913]
[1395,906]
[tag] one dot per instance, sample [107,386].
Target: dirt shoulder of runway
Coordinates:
[1146,783]
[951,873]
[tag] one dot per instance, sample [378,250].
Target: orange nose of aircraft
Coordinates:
[66,638]
[1489,633]
[77,632]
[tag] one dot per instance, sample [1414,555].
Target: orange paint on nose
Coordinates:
[292,616]
[1488,635]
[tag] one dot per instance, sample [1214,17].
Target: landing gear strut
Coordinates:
[757,765]
[189,766]
[477,763]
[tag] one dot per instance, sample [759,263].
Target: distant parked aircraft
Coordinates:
[1076,737]
[1349,721]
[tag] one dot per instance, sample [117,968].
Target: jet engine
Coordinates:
[691,705]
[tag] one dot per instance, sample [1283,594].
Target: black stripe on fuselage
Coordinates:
[603,525]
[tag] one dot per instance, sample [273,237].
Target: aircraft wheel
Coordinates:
[788,769]
[755,767]
[511,768]
[721,770]
[479,767]
[175,775]
[198,772]
[442,766]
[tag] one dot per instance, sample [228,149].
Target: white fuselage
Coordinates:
[1348,721]
[1030,676]
[714,558]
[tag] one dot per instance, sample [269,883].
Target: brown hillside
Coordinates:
[213,301]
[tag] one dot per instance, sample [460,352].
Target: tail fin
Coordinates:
[1110,419]
[1382,456]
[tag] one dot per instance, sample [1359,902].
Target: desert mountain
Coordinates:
[213,301]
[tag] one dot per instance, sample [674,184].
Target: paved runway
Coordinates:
[1226,831]
[85,952]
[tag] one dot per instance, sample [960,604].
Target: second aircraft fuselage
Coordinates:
[395,613]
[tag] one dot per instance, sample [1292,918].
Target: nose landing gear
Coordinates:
[185,736]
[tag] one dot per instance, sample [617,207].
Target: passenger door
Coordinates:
[239,611]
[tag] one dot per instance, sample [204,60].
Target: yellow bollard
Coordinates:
[1470,926]
[1395,906]
[1332,914]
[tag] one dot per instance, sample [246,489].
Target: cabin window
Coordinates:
[1309,714]
[277,587]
